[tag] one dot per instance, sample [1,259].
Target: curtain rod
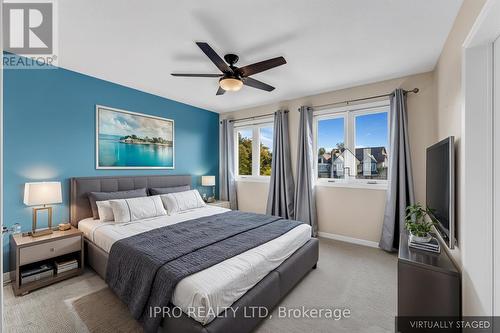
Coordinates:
[254,117]
[415,90]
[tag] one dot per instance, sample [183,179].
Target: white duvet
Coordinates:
[205,294]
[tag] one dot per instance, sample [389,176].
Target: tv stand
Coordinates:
[428,283]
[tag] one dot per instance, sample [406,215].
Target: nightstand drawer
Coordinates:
[49,250]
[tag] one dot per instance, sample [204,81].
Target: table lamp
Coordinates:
[42,193]
[209,181]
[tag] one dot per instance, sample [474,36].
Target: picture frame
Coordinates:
[131,140]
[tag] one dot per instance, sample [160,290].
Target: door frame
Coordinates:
[1,171]
[479,158]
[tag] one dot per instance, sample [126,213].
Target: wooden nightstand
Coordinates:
[220,203]
[30,252]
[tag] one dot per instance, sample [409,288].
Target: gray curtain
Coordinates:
[305,203]
[227,182]
[400,192]
[281,188]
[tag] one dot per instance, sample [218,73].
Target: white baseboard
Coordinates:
[6,278]
[347,239]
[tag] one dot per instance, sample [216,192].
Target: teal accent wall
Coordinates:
[49,134]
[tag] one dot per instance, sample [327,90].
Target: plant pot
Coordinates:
[418,239]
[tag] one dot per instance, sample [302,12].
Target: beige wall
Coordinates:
[356,213]
[449,97]
[433,114]
[252,196]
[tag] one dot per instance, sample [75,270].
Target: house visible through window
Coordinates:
[254,151]
[352,144]
[331,144]
[370,144]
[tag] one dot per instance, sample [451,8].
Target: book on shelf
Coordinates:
[64,266]
[431,246]
[36,277]
[66,262]
[36,273]
[62,270]
[37,270]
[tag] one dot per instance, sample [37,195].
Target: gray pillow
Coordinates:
[166,190]
[103,196]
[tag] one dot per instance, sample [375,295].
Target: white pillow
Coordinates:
[105,211]
[181,201]
[126,210]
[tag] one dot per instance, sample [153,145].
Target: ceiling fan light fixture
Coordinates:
[230,84]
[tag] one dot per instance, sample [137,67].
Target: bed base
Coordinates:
[266,294]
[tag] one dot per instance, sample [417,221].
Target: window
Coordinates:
[266,150]
[370,144]
[254,151]
[245,138]
[330,143]
[352,144]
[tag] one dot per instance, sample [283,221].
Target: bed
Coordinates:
[259,277]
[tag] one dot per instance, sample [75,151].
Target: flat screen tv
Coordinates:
[440,187]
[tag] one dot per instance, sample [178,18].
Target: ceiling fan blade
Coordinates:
[261,66]
[248,81]
[197,75]
[220,91]
[221,64]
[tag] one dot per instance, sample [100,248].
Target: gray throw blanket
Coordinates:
[144,269]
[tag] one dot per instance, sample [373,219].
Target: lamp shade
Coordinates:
[42,193]
[208,180]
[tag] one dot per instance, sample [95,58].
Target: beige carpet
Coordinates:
[352,277]
[103,312]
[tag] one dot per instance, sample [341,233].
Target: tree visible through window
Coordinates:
[245,152]
[371,144]
[330,148]
[255,140]
[266,150]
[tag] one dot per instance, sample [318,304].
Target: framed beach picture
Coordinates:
[129,140]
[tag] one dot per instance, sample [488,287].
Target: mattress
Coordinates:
[205,294]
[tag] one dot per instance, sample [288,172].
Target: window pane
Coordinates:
[371,142]
[245,152]
[266,150]
[331,148]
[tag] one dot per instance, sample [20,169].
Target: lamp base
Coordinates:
[40,233]
[43,232]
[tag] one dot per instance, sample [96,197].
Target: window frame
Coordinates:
[254,126]
[350,112]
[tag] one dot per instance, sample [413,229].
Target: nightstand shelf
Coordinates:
[30,286]
[28,252]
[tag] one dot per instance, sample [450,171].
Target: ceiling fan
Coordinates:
[232,77]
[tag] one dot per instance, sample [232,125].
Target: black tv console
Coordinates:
[428,283]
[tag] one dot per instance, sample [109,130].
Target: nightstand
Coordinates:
[220,203]
[29,253]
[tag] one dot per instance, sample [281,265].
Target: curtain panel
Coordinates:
[280,200]
[227,174]
[305,203]
[400,192]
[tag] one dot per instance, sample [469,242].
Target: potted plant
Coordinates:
[419,222]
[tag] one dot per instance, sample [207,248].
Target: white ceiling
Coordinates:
[328,44]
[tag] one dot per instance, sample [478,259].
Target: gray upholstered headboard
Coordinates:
[80,187]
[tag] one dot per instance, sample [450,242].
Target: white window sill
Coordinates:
[253,179]
[360,185]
